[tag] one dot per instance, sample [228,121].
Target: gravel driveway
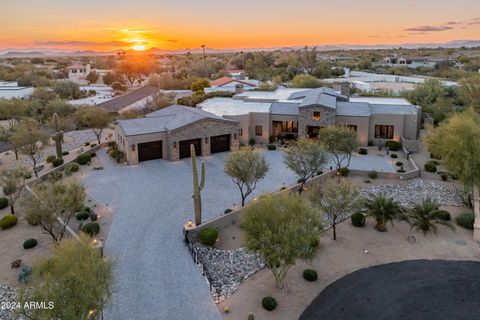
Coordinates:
[155,274]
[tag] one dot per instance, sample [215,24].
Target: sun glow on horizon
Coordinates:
[138,47]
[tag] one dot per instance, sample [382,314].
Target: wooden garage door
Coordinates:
[220,143]
[185,147]
[149,150]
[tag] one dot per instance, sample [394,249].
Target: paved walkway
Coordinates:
[416,290]
[155,275]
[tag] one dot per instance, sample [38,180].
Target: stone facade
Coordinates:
[203,129]
[306,118]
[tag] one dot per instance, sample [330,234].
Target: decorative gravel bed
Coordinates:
[7,294]
[228,268]
[414,191]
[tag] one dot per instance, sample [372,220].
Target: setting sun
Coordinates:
[138,47]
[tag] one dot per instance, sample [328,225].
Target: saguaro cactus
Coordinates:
[197,188]
[57,136]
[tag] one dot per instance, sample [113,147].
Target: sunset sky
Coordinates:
[122,24]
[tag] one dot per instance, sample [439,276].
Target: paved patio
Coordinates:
[155,275]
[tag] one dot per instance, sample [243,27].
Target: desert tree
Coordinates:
[305,158]
[92,77]
[30,139]
[340,142]
[76,280]
[246,167]
[470,91]
[13,184]
[93,118]
[52,205]
[338,199]
[457,141]
[282,229]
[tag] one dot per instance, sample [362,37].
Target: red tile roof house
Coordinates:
[232,85]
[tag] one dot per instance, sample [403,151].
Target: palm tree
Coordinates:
[425,216]
[382,209]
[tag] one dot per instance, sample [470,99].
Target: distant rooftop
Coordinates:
[121,102]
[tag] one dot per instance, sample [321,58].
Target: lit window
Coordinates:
[384,132]
[258,130]
[240,132]
[316,115]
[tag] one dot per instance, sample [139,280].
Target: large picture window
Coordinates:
[383,132]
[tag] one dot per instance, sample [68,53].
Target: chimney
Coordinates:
[239,88]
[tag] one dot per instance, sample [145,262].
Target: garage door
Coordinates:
[220,143]
[149,150]
[185,147]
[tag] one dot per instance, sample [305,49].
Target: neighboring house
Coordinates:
[78,73]
[232,85]
[10,89]
[103,93]
[169,132]
[236,73]
[136,99]
[411,63]
[292,113]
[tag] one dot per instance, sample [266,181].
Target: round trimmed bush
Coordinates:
[84,158]
[344,172]
[466,220]
[394,156]
[85,208]
[271,147]
[358,219]
[373,174]
[57,162]
[93,154]
[208,236]
[30,243]
[33,219]
[310,275]
[269,303]
[363,151]
[82,215]
[399,163]
[8,221]
[393,145]
[228,210]
[93,145]
[3,203]
[72,167]
[93,216]
[86,144]
[91,228]
[65,153]
[430,166]
[443,215]
[50,158]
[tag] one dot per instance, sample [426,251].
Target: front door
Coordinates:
[312,131]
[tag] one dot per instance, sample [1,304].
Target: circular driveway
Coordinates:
[418,289]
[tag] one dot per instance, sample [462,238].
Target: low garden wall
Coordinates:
[410,145]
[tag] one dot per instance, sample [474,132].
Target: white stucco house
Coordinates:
[11,89]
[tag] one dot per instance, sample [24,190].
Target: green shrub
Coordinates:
[399,163]
[393,145]
[370,143]
[271,147]
[85,209]
[271,139]
[8,221]
[57,162]
[269,303]
[344,172]
[373,174]
[30,243]
[84,158]
[24,275]
[363,151]
[82,215]
[208,236]
[310,275]
[50,158]
[228,210]
[443,175]
[112,145]
[3,203]
[65,153]
[466,220]
[401,171]
[251,142]
[116,154]
[27,175]
[86,144]
[93,216]
[72,167]
[91,228]
[435,156]
[443,215]
[394,156]
[430,166]
[93,145]
[93,154]
[33,219]
[358,219]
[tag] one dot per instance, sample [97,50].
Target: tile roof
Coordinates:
[226,80]
[167,119]
[124,101]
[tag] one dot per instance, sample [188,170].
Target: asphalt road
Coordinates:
[409,290]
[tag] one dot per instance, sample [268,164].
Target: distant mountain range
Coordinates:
[44,52]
